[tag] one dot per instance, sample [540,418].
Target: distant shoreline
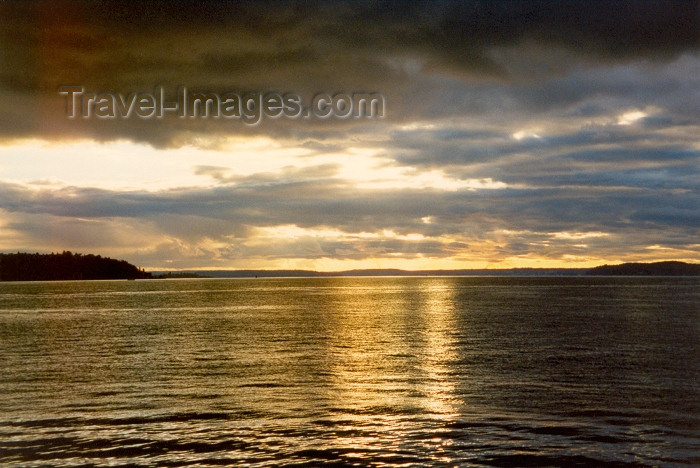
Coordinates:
[670,268]
[70,266]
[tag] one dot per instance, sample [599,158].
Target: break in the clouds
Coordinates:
[516,134]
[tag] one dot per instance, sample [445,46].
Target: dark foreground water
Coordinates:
[361,371]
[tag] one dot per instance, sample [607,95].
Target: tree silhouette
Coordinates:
[65,266]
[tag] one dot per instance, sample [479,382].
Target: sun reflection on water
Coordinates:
[390,357]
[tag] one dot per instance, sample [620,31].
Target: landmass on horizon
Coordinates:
[75,266]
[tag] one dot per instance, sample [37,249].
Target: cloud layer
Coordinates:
[516,133]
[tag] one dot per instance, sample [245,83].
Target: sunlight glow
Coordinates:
[577,235]
[123,165]
[431,180]
[291,231]
[417,126]
[522,134]
[629,118]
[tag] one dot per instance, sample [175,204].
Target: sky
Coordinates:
[513,134]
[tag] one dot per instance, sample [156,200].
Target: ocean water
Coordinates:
[351,372]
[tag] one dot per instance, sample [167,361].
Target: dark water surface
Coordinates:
[351,371]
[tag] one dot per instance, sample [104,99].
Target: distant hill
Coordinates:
[633,269]
[379,272]
[65,266]
[647,269]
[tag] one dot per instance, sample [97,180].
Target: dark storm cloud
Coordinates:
[308,47]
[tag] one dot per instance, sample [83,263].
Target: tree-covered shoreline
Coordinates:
[65,266]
